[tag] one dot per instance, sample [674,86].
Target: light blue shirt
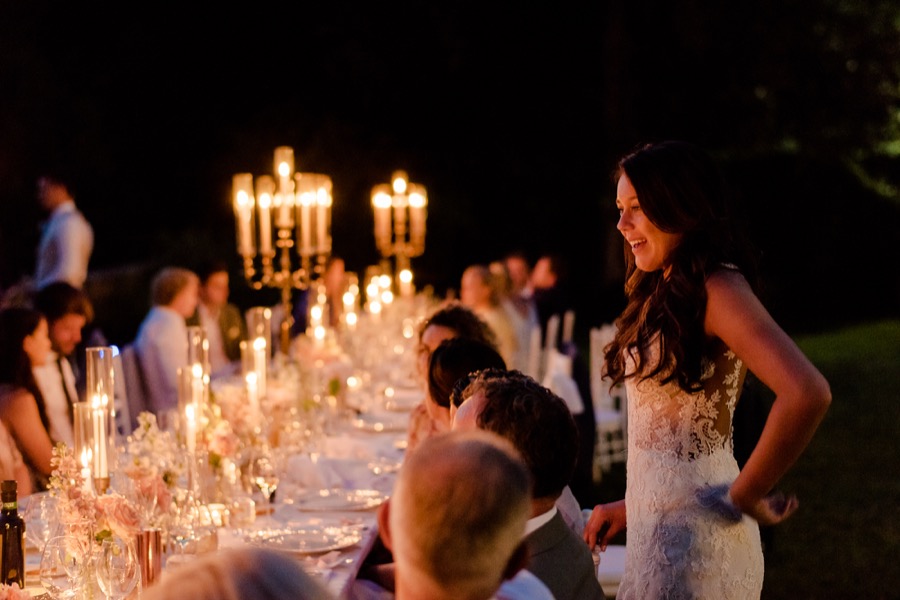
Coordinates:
[162,348]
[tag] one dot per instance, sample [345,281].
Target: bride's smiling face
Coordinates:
[650,245]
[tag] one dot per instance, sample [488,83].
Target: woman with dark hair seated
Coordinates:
[452,320]
[24,344]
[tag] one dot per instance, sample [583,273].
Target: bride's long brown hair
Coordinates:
[680,190]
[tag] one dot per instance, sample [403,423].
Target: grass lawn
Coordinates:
[844,541]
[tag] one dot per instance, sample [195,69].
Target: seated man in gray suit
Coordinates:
[455,520]
[540,426]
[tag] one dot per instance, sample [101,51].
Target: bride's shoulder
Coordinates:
[726,277]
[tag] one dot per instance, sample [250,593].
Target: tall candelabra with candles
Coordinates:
[296,208]
[400,209]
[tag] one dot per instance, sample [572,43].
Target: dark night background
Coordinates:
[511,114]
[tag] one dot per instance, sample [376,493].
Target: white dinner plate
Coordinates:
[333,500]
[378,423]
[306,541]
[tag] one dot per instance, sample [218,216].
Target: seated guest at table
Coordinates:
[161,343]
[451,360]
[238,574]
[477,292]
[222,321]
[67,310]
[455,521]
[24,344]
[540,426]
[452,320]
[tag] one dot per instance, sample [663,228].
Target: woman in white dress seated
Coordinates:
[691,329]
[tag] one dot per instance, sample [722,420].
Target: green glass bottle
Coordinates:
[12,536]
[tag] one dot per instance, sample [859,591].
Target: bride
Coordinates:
[692,327]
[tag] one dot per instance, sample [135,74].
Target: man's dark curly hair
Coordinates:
[535,420]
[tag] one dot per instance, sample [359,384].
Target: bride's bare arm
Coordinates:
[736,316]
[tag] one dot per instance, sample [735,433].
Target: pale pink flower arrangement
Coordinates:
[223,441]
[13,592]
[80,510]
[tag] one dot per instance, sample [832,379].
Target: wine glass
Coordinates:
[63,562]
[265,473]
[118,570]
[40,517]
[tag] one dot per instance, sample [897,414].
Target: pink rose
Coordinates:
[152,489]
[223,441]
[121,516]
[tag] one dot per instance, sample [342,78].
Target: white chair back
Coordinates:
[550,337]
[610,406]
[600,338]
[559,380]
[533,364]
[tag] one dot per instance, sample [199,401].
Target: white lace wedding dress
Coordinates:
[679,445]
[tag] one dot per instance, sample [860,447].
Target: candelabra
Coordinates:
[297,208]
[400,221]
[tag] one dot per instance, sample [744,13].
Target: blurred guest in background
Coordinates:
[519,270]
[520,310]
[67,310]
[222,321]
[24,345]
[161,343]
[477,292]
[67,239]
[551,296]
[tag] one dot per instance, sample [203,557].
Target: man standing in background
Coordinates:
[67,239]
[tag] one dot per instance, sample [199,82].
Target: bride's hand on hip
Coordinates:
[774,508]
[605,522]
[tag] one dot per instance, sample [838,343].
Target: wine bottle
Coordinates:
[12,536]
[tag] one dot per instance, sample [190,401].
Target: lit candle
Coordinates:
[100,439]
[190,427]
[284,168]
[323,206]
[252,395]
[315,315]
[406,287]
[418,200]
[259,365]
[86,462]
[265,188]
[243,212]
[381,203]
[307,198]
